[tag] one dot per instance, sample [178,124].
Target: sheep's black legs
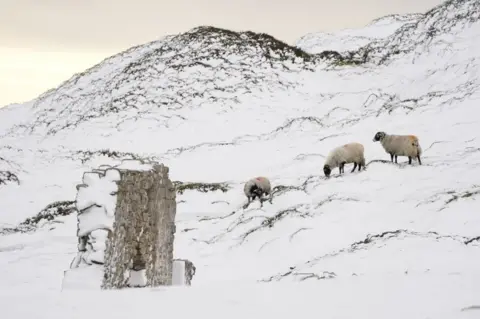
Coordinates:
[341,168]
[270,197]
[396,156]
[261,199]
[354,167]
[247,204]
[393,156]
[419,160]
[410,160]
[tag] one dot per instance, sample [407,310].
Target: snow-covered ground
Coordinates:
[394,241]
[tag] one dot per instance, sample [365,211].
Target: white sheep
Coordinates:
[400,145]
[257,187]
[345,154]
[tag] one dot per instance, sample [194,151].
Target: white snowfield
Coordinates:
[393,241]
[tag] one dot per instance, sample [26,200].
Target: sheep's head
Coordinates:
[255,190]
[379,136]
[327,170]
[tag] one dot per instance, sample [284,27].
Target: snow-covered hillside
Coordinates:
[353,39]
[219,107]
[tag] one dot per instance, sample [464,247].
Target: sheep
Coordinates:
[257,187]
[400,145]
[345,154]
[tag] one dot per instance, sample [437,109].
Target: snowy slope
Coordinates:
[393,241]
[353,39]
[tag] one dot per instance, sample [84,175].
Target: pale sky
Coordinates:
[44,42]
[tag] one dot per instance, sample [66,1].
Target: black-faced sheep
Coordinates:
[345,154]
[256,188]
[400,145]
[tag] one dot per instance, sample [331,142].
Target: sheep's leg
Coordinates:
[391,157]
[410,160]
[396,156]
[247,204]
[263,199]
[359,166]
[354,167]
[419,160]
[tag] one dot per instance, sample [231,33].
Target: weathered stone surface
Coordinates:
[143,230]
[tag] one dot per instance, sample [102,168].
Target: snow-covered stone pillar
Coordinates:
[128,213]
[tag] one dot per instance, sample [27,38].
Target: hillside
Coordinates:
[219,107]
[353,39]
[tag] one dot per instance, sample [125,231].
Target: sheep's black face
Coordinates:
[327,170]
[256,191]
[379,136]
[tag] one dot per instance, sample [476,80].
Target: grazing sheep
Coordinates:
[257,187]
[400,145]
[345,154]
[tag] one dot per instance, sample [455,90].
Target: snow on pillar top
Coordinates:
[97,195]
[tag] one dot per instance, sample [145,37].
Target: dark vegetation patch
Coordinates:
[46,215]
[181,187]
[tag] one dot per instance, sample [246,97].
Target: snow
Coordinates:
[91,251]
[178,273]
[96,201]
[90,277]
[393,241]
[352,39]
[84,278]
[137,278]
[339,298]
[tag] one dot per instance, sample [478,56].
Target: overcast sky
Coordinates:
[44,42]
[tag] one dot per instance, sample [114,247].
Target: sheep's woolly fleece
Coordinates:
[348,153]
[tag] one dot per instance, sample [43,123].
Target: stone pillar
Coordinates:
[143,229]
[125,230]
